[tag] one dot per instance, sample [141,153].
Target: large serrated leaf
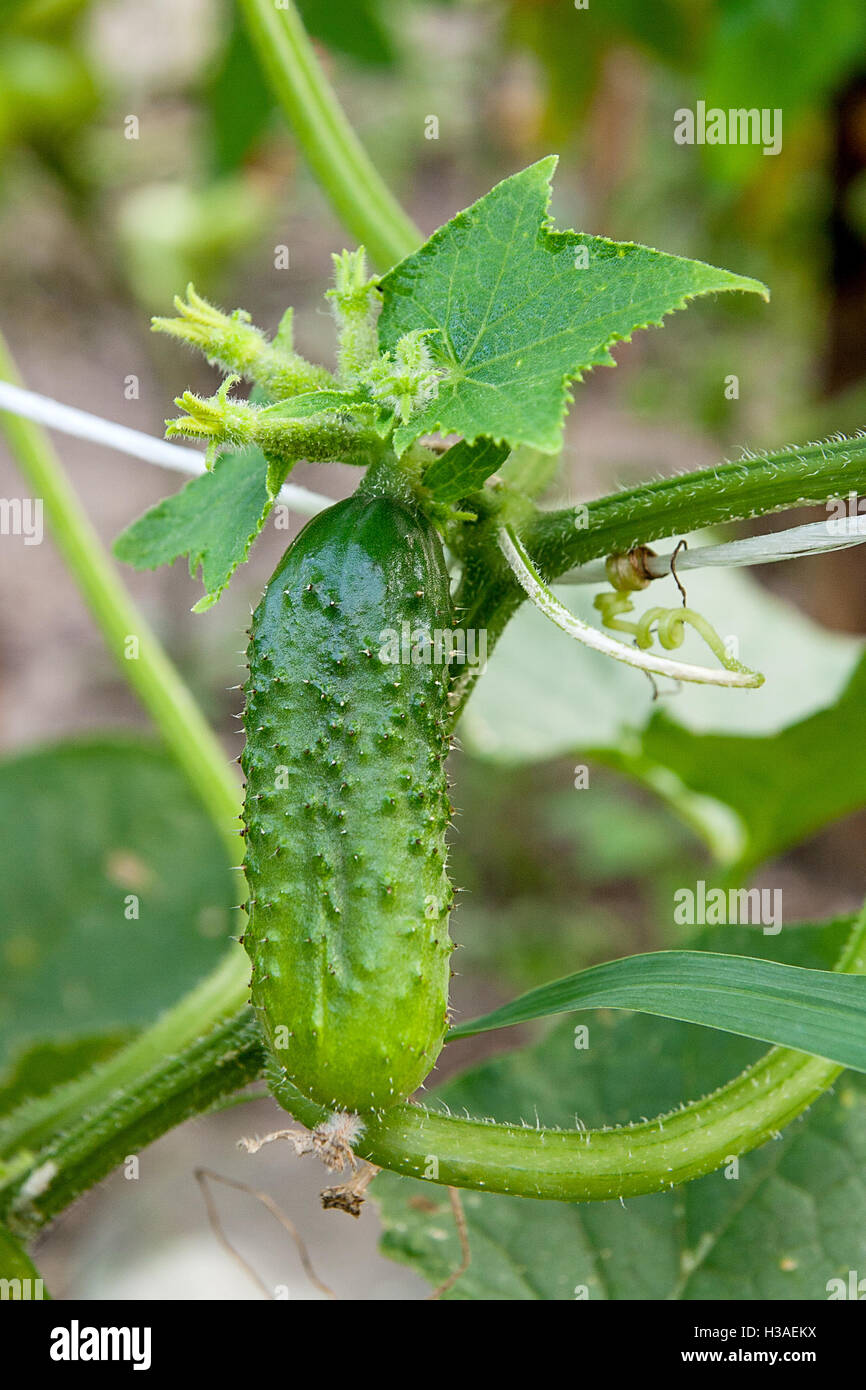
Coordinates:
[520,310]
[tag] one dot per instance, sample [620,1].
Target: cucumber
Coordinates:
[347,806]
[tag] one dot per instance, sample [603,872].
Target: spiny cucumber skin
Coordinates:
[346,809]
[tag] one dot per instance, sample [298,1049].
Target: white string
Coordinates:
[836,533]
[179,457]
[795,543]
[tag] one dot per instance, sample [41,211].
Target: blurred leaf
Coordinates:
[214,519]
[47,88]
[614,835]
[785,787]
[174,232]
[39,15]
[794,1218]
[815,46]
[815,1011]
[573,45]
[543,696]
[46,1065]
[522,310]
[94,831]
[239,103]
[353,27]
[782,760]
[16,1264]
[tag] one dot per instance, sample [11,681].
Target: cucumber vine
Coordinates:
[478,332]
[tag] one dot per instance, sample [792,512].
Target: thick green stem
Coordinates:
[335,154]
[218,997]
[596,1165]
[526,1161]
[191,1083]
[127,636]
[558,540]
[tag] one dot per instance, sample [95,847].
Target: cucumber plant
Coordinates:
[477,332]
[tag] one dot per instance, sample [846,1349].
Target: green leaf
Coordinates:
[793,1218]
[46,1065]
[816,49]
[519,315]
[315,402]
[93,833]
[464,468]
[353,27]
[214,520]
[526,705]
[15,1264]
[815,1011]
[238,103]
[770,766]
[783,788]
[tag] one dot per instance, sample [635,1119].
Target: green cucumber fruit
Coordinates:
[347,806]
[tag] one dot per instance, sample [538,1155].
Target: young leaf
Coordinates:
[522,310]
[815,1011]
[315,402]
[214,520]
[463,469]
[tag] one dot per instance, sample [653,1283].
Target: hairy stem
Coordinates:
[150,672]
[177,1087]
[559,1165]
[218,997]
[341,164]
[558,540]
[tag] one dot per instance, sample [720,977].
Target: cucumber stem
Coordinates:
[525,1161]
[152,675]
[342,166]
